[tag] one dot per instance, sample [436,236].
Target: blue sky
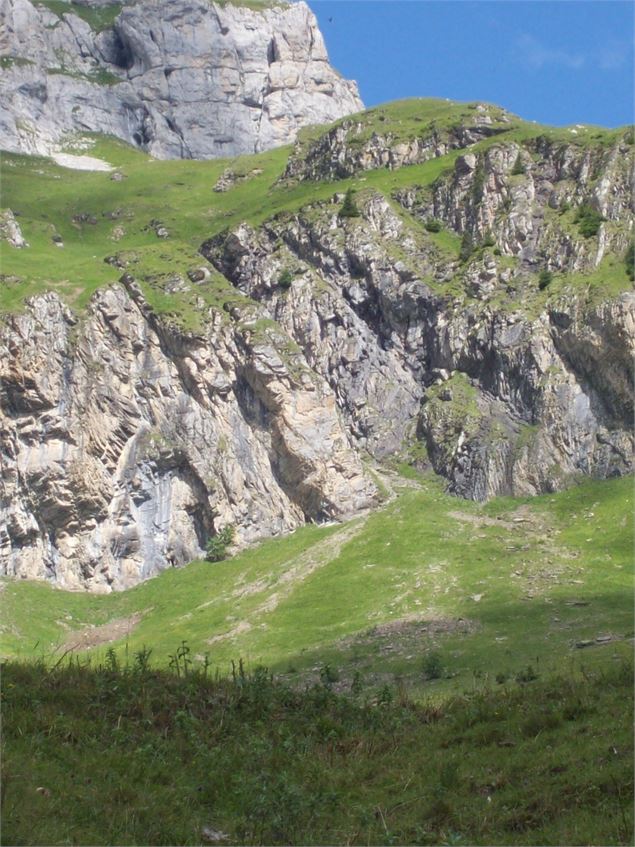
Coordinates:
[554,62]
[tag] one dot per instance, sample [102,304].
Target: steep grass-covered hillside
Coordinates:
[427,581]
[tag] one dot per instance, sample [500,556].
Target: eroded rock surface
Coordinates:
[126,445]
[178,78]
[508,396]
[478,321]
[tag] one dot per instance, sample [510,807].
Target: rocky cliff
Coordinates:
[508,397]
[467,308]
[126,445]
[178,78]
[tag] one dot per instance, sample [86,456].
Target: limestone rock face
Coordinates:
[423,326]
[178,78]
[508,397]
[126,445]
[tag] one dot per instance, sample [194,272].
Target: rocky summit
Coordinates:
[177,78]
[187,346]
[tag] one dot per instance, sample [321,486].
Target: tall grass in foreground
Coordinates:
[133,755]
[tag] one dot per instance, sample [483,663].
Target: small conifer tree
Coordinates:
[519,167]
[349,206]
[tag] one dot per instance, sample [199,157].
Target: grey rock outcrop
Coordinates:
[532,215]
[10,230]
[126,444]
[424,324]
[511,398]
[178,78]
[349,147]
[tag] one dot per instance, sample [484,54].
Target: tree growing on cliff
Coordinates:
[519,167]
[544,279]
[217,545]
[629,261]
[349,206]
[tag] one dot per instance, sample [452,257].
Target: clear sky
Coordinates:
[554,62]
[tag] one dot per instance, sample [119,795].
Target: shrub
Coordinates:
[217,545]
[488,240]
[629,261]
[467,247]
[285,279]
[519,167]
[328,675]
[349,207]
[588,221]
[544,279]
[433,225]
[432,666]
[526,675]
[478,184]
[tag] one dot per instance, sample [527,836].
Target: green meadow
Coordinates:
[486,590]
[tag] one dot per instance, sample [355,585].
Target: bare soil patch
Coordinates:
[93,636]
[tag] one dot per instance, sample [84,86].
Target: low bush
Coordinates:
[544,279]
[432,666]
[217,545]
[588,221]
[629,261]
[285,279]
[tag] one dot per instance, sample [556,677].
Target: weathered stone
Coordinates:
[187,78]
[10,230]
[164,439]
[531,401]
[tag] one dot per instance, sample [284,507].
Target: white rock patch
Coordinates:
[81,163]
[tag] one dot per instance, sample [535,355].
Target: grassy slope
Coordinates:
[102,757]
[560,575]
[180,195]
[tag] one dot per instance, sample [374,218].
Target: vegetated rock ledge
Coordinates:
[507,397]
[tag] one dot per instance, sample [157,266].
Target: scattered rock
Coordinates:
[10,230]
[213,836]
[199,274]
[85,218]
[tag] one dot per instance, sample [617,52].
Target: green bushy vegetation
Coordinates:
[286,278]
[519,167]
[588,221]
[629,262]
[129,755]
[544,279]
[216,548]
[349,207]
